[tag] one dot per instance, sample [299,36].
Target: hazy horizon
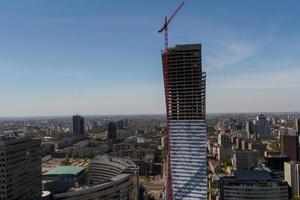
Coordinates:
[65,57]
[141,114]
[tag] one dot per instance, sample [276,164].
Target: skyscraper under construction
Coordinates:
[184,84]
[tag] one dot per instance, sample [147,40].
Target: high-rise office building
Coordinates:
[78,124]
[111,131]
[289,146]
[21,168]
[298,126]
[292,176]
[262,127]
[185,101]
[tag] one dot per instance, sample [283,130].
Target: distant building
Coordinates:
[224,154]
[289,146]
[262,127]
[250,128]
[21,168]
[292,176]
[271,152]
[213,186]
[298,126]
[244,159]
[224,150]
[47,148]
[111,131]
[78,124]
[238,143]
[253,185]
[260,147]
[292,131]
[213,165]
[120,124]
[145,166]
[247,144]
[224,140]
[276,163]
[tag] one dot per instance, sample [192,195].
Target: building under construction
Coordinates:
[185,101]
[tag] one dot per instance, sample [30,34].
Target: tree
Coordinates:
[75,154]
[65,162]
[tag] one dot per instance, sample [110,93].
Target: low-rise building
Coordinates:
[111,178]
[62,178]
[253,185]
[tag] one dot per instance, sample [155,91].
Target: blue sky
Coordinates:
[62,57]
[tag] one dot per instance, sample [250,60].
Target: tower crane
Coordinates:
[167,22]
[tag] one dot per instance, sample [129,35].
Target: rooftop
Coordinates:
[187,46]
[72,170]
[253,174]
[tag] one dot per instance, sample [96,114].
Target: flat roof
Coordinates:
[187,46]
[73,170]
[253,174]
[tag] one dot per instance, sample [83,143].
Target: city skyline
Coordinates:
[59,58]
